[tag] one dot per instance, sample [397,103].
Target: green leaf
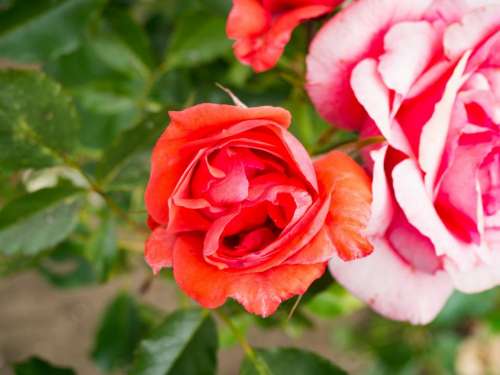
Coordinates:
[198,38]
[37,366]
[38,220]
[290,361]
[128,144]
[104,122]
[461,307]
[117,54]
[184,344]
[103,251]
[120,331]
[131,34]
[38,123]
[333,302]
[36,31]
[242,322]
[66,266]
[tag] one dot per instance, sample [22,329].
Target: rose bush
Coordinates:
[262,28]
[426,75]
[239,210]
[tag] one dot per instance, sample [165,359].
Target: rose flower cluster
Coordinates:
[239,209]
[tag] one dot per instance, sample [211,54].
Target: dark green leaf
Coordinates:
[38,123]
[130,142]
[461,307]
[198,38]
[290,361]
[227,337]
[115,51]
[184,344]
[36,31]
[120,331]
[131,34]
[66,266]
[38,220]
[37,366]
[103,250]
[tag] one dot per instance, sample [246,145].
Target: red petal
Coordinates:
[247,17]
[159,249]
[262,34]
[260,293]
[169,161]
[320,249]
[349,187]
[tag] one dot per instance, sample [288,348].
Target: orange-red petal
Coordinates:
[159,249]
[320,249]
[169,161]
[260,293]
[350,190]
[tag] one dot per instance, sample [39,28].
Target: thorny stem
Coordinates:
[260,366]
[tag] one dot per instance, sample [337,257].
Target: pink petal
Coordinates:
[392,287]
[373,95]
[352,35]
[480,277]
[382,208]
[418,207]
[409,47]
[435,131]
[473,28]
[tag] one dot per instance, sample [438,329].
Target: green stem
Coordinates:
[260,366]
[107,199]
[294,307]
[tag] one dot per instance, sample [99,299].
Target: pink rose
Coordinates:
[427,74]
[262,28]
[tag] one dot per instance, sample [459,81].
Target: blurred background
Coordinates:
[85,87]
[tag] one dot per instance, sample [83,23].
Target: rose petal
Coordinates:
[247,17]
[435,131]
[373,95]
[472,29]
[159,249]
[263,35]
[392,287]
[170,156]
[319,250]
[382,208]
[418,207]
[349,188]
[349,37]
[409,47]
[260,293]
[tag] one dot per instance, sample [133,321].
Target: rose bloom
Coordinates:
[426,75]
[262,28]
[238,209]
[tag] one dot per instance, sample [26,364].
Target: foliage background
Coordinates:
[85,86]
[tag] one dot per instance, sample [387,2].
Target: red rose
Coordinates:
[238,209]
[262,28]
